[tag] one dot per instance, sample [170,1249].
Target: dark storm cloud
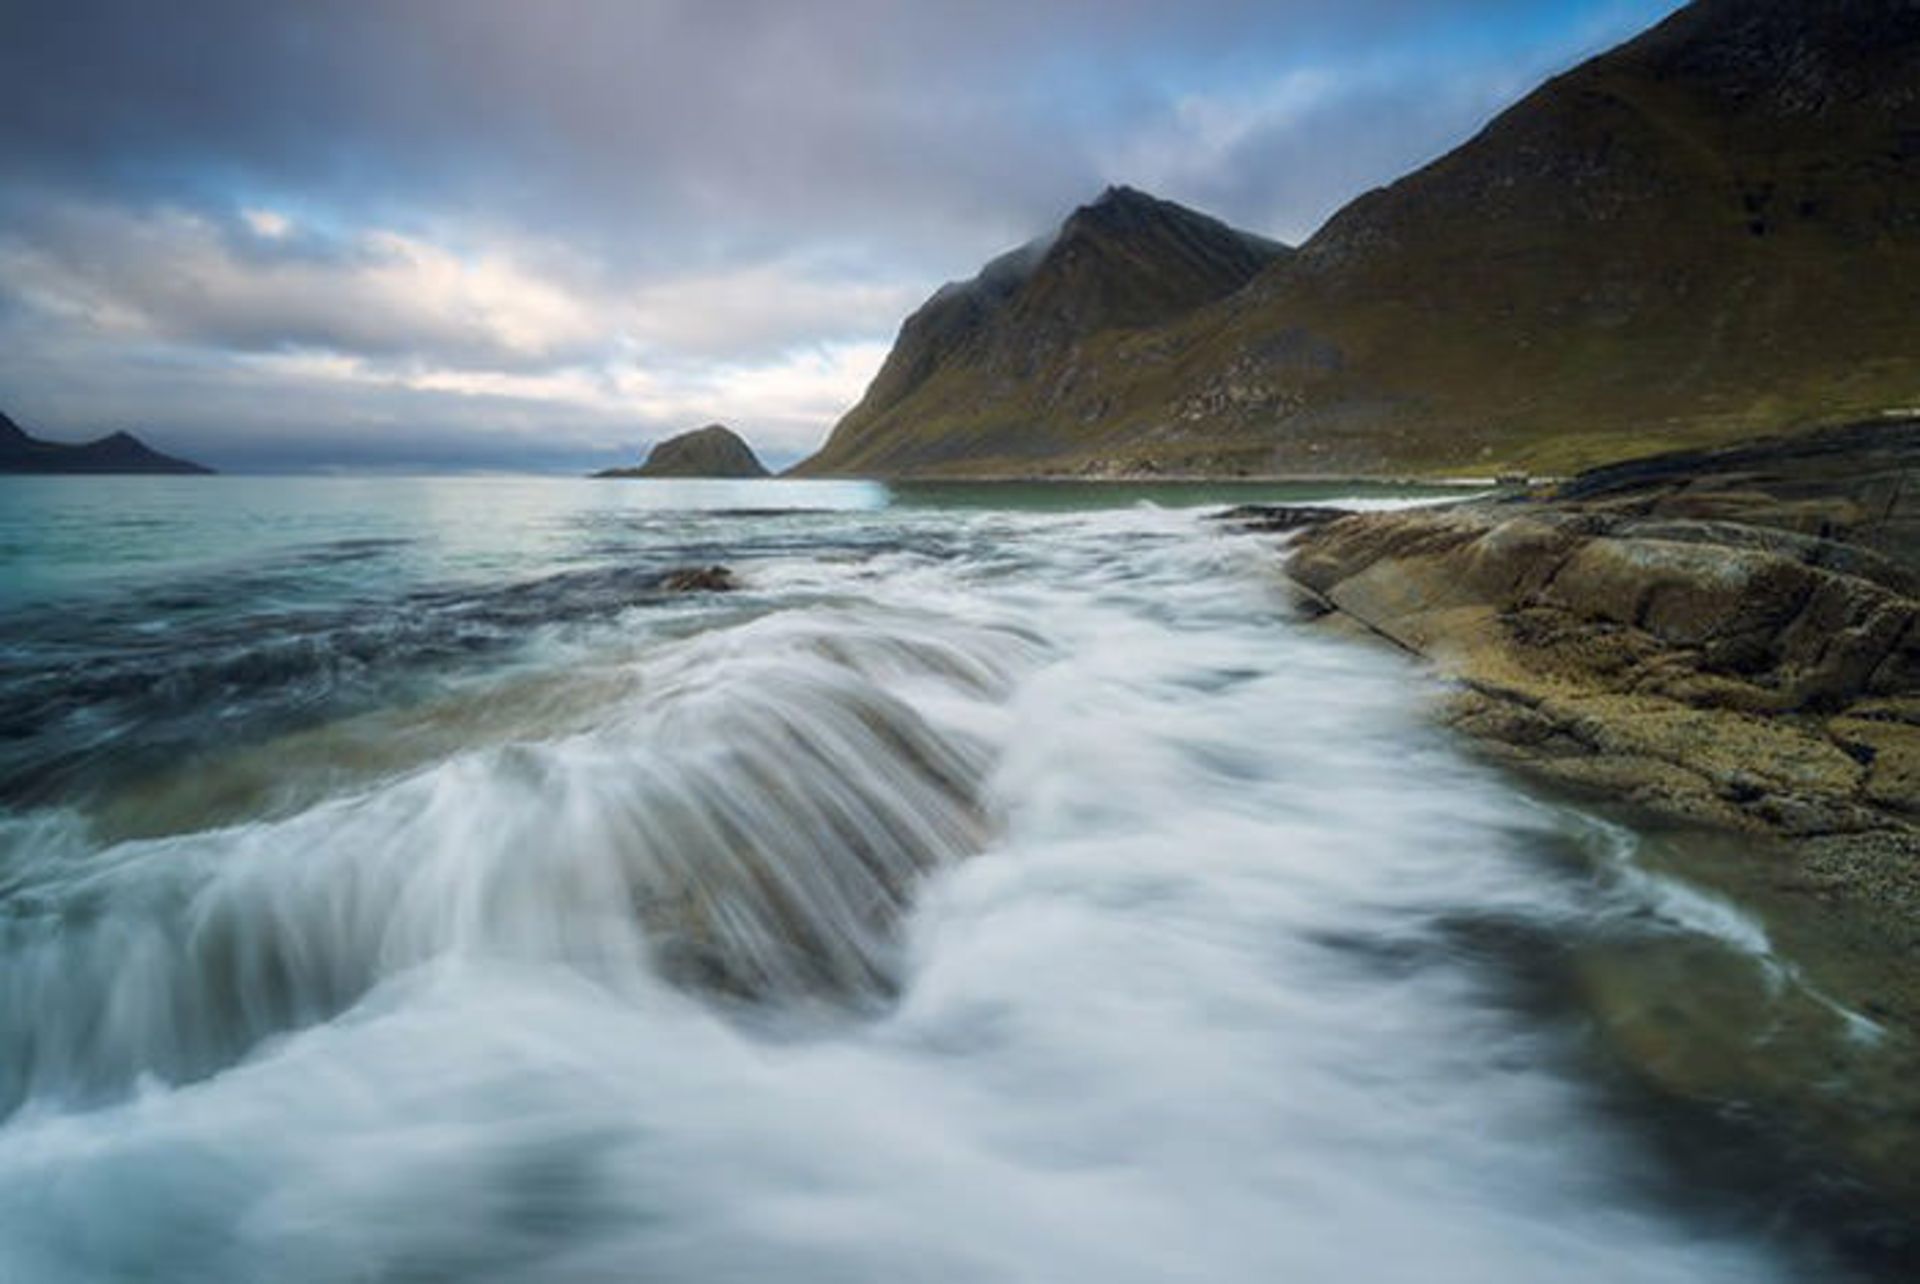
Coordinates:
[497,187]
[864,117]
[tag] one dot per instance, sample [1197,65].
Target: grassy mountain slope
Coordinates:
[1710,231]
[979,370]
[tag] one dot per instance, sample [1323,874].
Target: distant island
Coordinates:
[713,451]
[119,452]
[1709,232]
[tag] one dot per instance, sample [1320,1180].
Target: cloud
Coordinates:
[672,131]
[270,224]
[1283,154]
[277,410]
[779,401]
[261,343]
[177,275]
[494,220]
[762,307]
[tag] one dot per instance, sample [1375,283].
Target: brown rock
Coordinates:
[699,579]
[1730,640]
[1728,637]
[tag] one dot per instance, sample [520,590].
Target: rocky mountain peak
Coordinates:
[1124,261]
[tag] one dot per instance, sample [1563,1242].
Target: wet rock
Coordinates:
[699,579]
[1629,630]
[1728,639]
[1276,517]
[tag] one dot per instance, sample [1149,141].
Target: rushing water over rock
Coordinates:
[970,895]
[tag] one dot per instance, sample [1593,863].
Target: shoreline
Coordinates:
[1179,479]
[1725,645]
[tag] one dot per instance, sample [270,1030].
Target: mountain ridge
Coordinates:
[1126,260]
[1710,231]
[117,452]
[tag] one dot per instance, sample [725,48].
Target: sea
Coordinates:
[1001,883]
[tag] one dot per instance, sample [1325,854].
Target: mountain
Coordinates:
[713,451]
[119,452]
[1708,232]
[980,374]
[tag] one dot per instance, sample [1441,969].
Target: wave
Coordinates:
[753,824]
[993,897]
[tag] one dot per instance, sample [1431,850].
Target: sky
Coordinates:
[542,234]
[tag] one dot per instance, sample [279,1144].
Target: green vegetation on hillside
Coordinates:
[713,451]
[1709,232]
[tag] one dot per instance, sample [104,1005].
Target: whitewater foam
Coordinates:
[1021,898]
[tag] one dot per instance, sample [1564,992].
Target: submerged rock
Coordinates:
[699,579]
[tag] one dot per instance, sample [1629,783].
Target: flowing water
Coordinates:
[1001,885]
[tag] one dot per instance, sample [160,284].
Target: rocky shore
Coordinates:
[1728,640]
[1727,636]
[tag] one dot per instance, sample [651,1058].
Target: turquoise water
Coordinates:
[398,882]
[142,617]
[66,534]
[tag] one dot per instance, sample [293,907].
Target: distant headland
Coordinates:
[119,452]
